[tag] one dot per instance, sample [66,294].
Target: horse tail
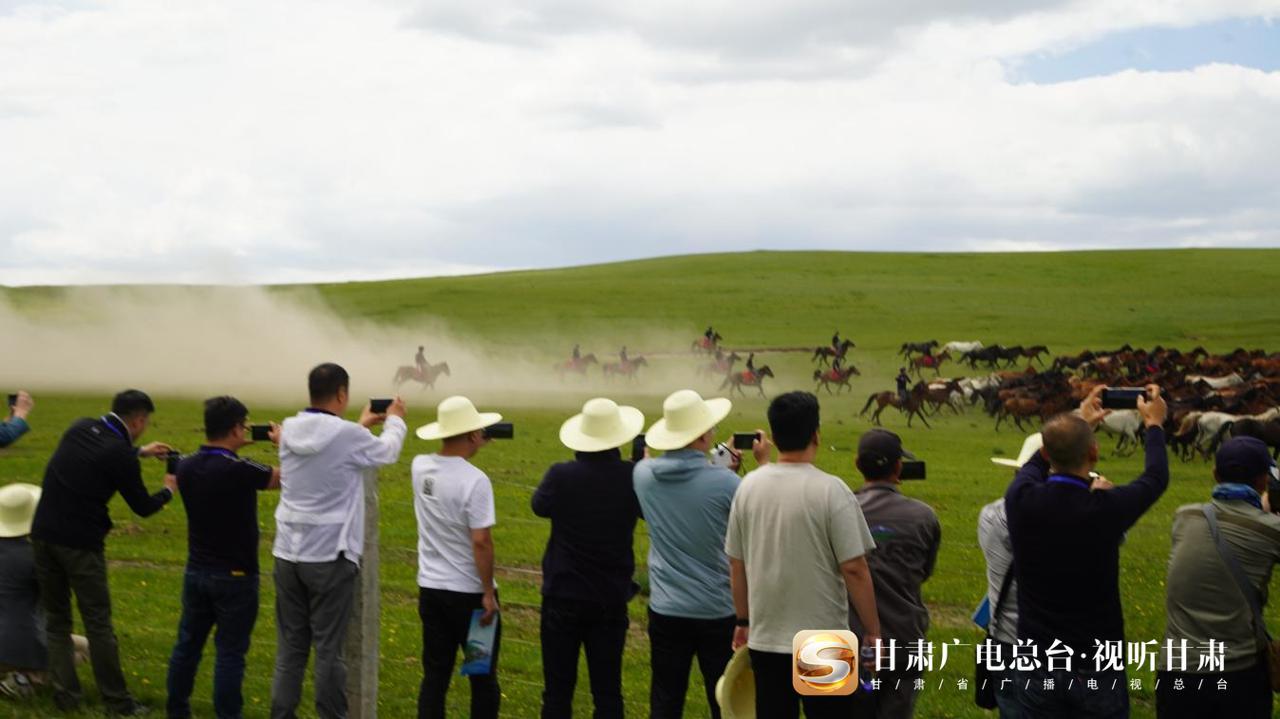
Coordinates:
[867,406]
[1188,423]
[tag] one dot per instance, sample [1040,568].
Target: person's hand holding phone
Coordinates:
[1153,408]
[397,408]
[369,418]
[762,448]
[154,449]
[22,405]
[1091,409]
[274,433]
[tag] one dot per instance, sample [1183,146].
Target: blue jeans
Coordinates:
[208,599]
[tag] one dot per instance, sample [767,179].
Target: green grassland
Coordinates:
[1218,299]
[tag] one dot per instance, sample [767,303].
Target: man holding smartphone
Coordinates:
[453,503]
[95,459]
[907,535]
[320,535]
[219,491]
[20,405]
[589,562]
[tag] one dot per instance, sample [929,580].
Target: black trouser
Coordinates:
[673,642]
[446,619]
[600,630]
[62,571]
[777,698]
[1247,694]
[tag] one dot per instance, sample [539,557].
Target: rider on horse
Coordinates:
[903,380]
[751,363]
[420,361]
[622,354]
[835,341]
[577,353]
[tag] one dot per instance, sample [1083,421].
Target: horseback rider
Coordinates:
[835,341]
[751,363]
[420,361]
[903,380]
[577,354]
[622,354]
[710,333]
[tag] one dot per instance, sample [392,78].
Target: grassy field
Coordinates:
[1219,299]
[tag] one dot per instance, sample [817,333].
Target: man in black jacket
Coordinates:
[1066,526]
[95,459]
[587,568]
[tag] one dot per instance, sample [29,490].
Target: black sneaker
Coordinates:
[132,709]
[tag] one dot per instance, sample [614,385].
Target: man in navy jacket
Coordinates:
[1066,524]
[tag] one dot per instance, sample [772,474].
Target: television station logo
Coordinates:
[825,662]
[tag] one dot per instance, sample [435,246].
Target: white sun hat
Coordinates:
[686,416]
[736,688]
[603,424]
[454,416]
[1030,446]
[17,508]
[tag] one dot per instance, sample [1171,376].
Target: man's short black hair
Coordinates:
[325,381]
[132,402]
[223,414]
[793,420]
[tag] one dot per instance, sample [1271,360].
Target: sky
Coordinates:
[145,141]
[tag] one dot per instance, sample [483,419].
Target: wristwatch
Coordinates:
[742,622]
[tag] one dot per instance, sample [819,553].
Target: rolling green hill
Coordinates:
[1216,298]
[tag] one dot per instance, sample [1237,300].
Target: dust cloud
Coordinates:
[259,345]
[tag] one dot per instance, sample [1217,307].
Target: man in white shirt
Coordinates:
[453,502]
[797,545]
[320,535]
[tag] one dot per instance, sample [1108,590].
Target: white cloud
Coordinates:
[289,141]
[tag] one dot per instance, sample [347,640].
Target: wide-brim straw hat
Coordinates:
[1030,446]
[457,415]
[736,688]
[601,425]
[17,508]
[686,416]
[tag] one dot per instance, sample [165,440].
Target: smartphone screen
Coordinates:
[379,406]
[744,440]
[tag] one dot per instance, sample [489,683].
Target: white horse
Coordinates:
[1207,426]
[972,385]
[1232,380]
[1124,424]
[957,348]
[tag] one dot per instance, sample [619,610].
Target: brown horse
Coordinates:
[427,377]
[747,378]
[934,362]
[913,408]
[576,366]
[707,344]
[823,355]
[623,369]
[838,377]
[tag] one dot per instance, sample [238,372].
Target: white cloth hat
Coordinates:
[454,416]
[736,688]
[686,416]
[601,425]
[17,508]
[1030,446]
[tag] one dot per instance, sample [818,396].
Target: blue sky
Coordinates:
[1247,42]
[319,140]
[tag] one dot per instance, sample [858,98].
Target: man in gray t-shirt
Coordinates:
[797,545]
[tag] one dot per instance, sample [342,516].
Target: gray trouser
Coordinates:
[62,571]
[313,606]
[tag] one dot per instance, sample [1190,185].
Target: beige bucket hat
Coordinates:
[601,425]
[736,688]
[17,508]
[1030,446]
[454,416]
[686,416]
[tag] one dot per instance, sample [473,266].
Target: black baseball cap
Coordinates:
[880,448]
[1244,459]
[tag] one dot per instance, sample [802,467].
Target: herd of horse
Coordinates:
[1210,397]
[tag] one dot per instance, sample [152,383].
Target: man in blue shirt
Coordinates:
[220,493]
[686,502]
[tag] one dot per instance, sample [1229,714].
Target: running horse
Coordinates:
[707,344]
[747,378]
[933,362]
[576,365]
[838,377]
[721,365]
[427,377]
[823,355]
[626,368]
[913,407]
